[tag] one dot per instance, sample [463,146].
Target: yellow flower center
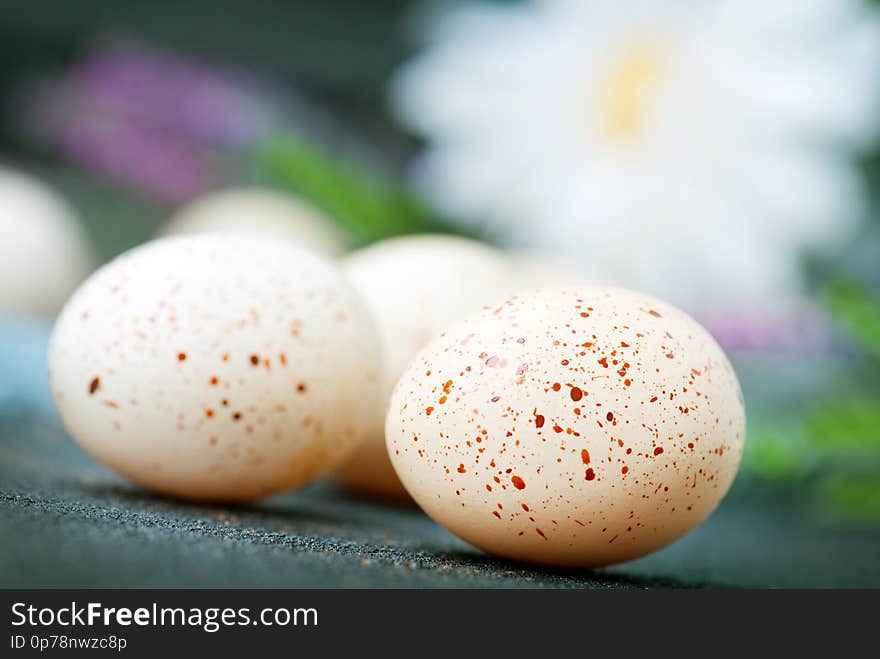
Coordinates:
[626,94]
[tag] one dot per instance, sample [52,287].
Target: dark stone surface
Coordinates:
[66,522]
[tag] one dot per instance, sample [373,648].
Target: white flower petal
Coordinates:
[739,154]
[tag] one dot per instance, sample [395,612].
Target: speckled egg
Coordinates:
[569,427]
[259,212]
[44,253]
[216,368]
[416,287]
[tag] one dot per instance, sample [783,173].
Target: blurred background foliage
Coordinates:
[316,72]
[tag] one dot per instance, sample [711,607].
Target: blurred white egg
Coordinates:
[415,286]
[44,253]
[217,367]
[576,427]
[535,271]
[259,212]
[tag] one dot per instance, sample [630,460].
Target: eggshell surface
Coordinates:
[44,254]
[259,212]
[571,427]
[215,367]
[416,287]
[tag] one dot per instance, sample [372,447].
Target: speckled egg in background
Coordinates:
[416,286]
[216,367]
[570,427]
[259,212]
[44,253]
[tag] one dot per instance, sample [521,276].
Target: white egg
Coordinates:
[259,212]
[216,367]
[44,253]
[416,286]
[572,427]
[535,271]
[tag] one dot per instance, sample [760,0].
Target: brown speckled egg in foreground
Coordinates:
[215,367]
[572,427]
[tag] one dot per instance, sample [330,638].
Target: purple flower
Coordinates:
[166,126]
[140,157]
[196,102]
[788,326]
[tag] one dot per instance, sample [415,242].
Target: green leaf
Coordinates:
[771,456]
[369,205]
[853,497]
[857,312]
[847,425]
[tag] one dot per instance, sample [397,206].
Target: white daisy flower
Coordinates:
[690,148]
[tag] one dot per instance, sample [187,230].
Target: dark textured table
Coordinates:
[67,522]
